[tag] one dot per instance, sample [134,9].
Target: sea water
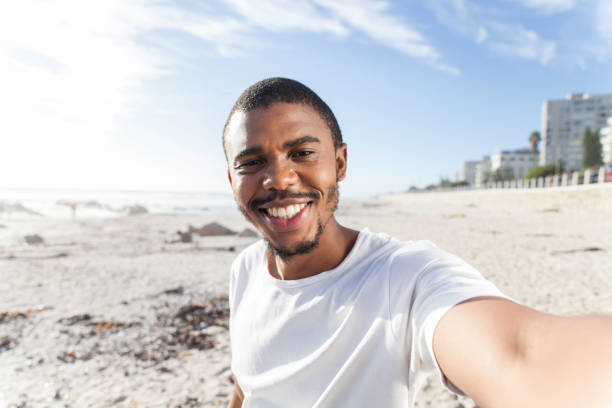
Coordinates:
[25,203]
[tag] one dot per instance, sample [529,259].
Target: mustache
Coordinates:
[280,195]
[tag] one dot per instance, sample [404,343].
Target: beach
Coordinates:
[125,312]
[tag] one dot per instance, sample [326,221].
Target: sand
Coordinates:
[550,250]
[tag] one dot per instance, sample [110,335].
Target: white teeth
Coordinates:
[287,212]
[292,210]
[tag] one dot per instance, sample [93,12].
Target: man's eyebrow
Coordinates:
[299,141]
[248,152]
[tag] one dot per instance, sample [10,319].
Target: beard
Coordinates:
[306,246]
[302,248]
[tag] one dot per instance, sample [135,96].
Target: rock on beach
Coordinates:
[33,239]
[16,208]
[248,233]
[136,209]
[214,229]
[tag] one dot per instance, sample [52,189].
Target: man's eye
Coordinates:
[302,153]
[249,163]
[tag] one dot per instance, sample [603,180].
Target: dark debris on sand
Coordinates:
[79,318]
[7,343]
[190,322]
[571,251]
[97,326]
[10,315]
[214,312]
[171,333]
[190,402]
[174,291]
[14,319]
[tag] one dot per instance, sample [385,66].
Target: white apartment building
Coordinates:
[563,124]
[606,141]
[520,161]
[467,172]
[482,169]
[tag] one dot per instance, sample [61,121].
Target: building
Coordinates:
[606,141]
[513,164]
[563,124]
[483,169]
[467,172]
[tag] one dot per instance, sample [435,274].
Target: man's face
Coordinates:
[284,170]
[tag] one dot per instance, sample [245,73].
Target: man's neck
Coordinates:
[334,245]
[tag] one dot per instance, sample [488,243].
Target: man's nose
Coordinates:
[279,176]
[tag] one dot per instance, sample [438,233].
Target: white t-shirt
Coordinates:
[359,335]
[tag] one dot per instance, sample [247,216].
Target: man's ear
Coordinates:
[341,162]
[229,177]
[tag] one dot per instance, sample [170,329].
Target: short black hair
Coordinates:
[269,91]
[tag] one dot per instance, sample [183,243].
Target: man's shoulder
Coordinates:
[397,257]
[399,251]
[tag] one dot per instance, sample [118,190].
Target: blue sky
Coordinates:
[134,94]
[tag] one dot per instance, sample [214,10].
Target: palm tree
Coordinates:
[534,139]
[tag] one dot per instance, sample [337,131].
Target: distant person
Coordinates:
[73,207]
[326,316]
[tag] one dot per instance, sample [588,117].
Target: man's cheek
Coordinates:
[240,190]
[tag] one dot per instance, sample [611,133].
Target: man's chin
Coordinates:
[302,248]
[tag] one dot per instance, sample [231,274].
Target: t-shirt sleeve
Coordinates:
[442,281]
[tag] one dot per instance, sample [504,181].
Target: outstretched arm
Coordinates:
[502,354]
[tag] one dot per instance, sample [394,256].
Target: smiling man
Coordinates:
[326,316]
[286,161]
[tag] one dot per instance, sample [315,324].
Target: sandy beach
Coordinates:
[118,312]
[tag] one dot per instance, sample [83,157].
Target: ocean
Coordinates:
[26,203]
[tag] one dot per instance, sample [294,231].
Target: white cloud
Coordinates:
[547,6]
[230,37]
[481,35]
[516,41]
[485,26]
[287,15]
[603,20]
[456,14]
[342,18]
[375,20]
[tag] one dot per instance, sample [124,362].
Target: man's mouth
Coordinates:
[287,212]
[284,212]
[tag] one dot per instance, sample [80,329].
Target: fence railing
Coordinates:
[590,176]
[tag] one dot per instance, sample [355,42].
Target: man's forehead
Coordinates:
[263,124]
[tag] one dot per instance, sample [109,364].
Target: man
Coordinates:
[326,316]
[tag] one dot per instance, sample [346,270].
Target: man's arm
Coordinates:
[502,354]
[237,396]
